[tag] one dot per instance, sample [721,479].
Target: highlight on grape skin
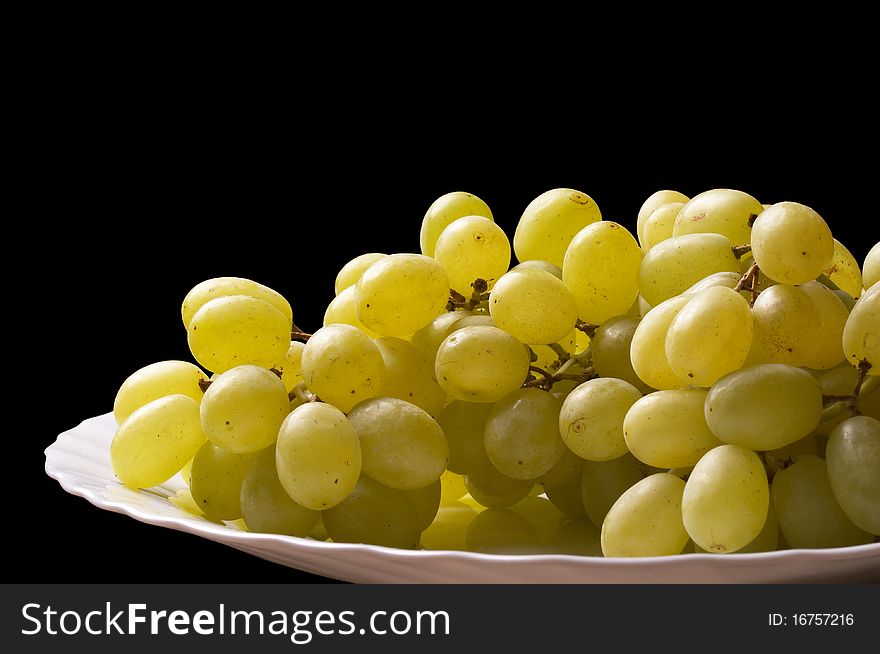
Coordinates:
[705,384]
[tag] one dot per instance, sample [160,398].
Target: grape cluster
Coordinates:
[708,385]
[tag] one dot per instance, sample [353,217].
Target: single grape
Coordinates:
[648,347]
[788,328]
[542,514]
[833,315]
[853,456]
[291,366]
[654,202]
[352,271]
[534,306]
[492,489]
[566,471]
[540,264]
[409,375]
[550,222]
[217,475]
[426,502]
[566,496]
[342,310]
[464,423]
[591,418]
[265,505]
[768,538]
[660,224]
[791,243]
[844,270]
[211,289]
[861,334]
[472,248]
[726,279]
[429,337]
[611,351]
[720,211]
[445,210]
[870,271]
[603,482]
[154,381]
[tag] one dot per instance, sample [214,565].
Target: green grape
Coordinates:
[446,209]
[768,538]
[534,306]
[426,502]
[400,294]
[764,407]
[668,429]
[611,351]
[674,265]
[217,476]
[861,335]
[575,537]
[352,271]
[540,264]
[409,375]
[541,514]
[156,441]
[566,497]
[725,500]
[601,270]
[660,224]
[318,456]
[449,529]
[236,330]
[787,326]
[343,366]
[566,471]
[376,515]
[464,423]
[472,248]
[591,418]
[844,270]
[452,488]
[154,381]
[550,222]
[605,481]
[481,364]
[833,315]
[490,488]
[654,202]
[429,337]
[402,447]
[853,456]
[646,520]
[211,289]
[720,211]
[265,505]
[501,531]
[343,311]
[791,243]
[648,348]
[521,434]
[870,271]
[808,512]
[291,365]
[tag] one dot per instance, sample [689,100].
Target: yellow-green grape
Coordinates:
[352,271]
[660,224]
[591,418]
[566,471]
[490,488]
[401,446]
[265,505]
[481,364]
[186,471]
[861,335]
[725,500]
[601,270]
[236,330]
[870,271]
[648,347]
[764,407]
[343,366]
[501,531]
[853,456]
[318,456]
[463,424]
[808,512]
[376,515]
[217,476]
[768,539]
[452,488]
[575,537]
[156,441]
[611,351]
[426,502]
[478,319]
[582,342]
[343,311]
[472,248]
[567,498]
[409,375]
[668,429]
[654,202]
[541,514]
[710,336]
[291,365]
[844,270]
[674,265]
[154,381]
[646,520]
[539,264]
[429,337]
[727,279]
[833,315]
[449,529]
[550,222]
[720,211]
[521,434]
[243,409]
[787,325]
[445,210]
[534,306]
[602,482]
[401,293]
[791,243]
[211,289]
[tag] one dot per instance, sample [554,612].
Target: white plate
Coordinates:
[80,461]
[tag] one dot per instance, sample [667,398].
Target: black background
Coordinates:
[140,186]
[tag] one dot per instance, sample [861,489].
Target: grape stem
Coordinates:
[296,334]
[586,328]
[299,392]
[739,251]
[851,400]
[561,353]
[204,384]
[479,297]
[549,378]
[749,282]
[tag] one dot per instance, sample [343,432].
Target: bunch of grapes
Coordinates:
[708,385]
